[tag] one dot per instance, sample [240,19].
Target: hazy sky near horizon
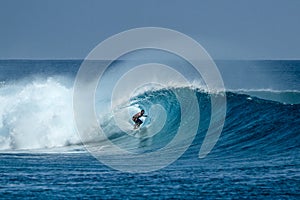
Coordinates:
[231,29]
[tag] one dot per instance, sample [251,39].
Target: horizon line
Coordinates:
[217,59]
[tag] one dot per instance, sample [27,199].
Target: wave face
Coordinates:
[36,113]
[259,127]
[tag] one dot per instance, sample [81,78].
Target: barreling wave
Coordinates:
[252,126]
[39,115]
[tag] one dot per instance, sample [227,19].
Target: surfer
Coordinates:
[136,119]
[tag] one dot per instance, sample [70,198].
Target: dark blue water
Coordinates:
[256,156]
[81,175]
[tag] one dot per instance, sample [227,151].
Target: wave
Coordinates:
[39,115]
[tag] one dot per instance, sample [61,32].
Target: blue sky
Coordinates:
[231,29]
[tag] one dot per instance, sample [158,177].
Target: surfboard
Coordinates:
[136,127]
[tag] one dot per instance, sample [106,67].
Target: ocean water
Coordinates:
[256,156]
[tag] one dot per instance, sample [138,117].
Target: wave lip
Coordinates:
[282,96]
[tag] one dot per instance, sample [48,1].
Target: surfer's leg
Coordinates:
[139,122]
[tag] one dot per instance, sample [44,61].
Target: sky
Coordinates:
[231,29]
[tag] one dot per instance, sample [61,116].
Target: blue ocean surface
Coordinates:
[256,156]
